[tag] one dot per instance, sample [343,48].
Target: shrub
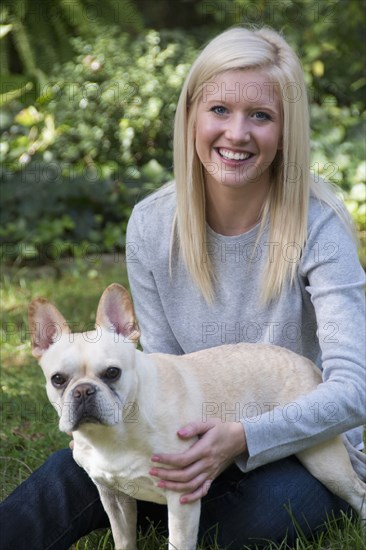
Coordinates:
[98,138]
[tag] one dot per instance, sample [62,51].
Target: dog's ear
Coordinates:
[115,312]
[46,325]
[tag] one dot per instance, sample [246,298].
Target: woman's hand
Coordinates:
[193,471]
[71,443]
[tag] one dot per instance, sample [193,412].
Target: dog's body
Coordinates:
[123,406]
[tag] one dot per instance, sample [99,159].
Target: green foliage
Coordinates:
[99,135]
[83,216]
[98,139]
[42,30]
[326,35]
[338,153]
[114,105]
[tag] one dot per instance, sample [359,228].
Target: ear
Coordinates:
[46,325]
[115,312]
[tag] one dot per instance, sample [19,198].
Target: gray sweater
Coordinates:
[321,316]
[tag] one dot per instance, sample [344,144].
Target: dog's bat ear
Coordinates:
[46,325]
[115,312]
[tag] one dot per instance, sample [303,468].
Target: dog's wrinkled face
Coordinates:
[90,376]
[89,382]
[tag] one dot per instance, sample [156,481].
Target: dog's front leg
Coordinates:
[122,514]
[183,523]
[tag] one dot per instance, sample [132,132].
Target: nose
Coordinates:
[83,391]
[238,130]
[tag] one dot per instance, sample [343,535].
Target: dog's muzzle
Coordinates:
[85,405]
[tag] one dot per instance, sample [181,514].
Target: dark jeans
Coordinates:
[58,504]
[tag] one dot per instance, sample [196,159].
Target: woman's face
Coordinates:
[238,128]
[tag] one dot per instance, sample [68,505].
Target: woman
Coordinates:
[243,246]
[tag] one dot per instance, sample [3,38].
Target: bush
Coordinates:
[111,107]
[47,216]
[99,137]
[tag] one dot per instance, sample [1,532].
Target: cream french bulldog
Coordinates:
[123,406]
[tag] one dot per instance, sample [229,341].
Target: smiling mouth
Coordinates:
[231,155]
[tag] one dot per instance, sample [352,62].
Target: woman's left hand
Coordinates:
[193,471]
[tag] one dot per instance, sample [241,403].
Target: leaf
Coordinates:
[318,68]
[4,30]
[29,116]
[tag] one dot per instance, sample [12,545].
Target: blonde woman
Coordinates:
[244,245]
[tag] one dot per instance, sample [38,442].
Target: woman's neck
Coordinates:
[234,211]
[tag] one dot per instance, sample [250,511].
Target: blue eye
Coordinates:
[218,110]
[260,115]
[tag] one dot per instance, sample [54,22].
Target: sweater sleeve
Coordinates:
[156,334]
[334,280]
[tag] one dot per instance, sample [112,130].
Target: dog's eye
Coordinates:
[58,380]
[112,373]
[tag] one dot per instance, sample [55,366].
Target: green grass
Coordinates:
[342,534]
[28,429]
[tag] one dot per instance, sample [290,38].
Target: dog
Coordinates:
[123,406]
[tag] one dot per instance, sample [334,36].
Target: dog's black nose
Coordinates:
[83,391]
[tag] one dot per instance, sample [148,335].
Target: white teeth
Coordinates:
[230,155]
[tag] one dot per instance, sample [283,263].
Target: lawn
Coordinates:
[29,432]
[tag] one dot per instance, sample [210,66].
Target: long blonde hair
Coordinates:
[286,206]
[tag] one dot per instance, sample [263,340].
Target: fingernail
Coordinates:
[153,472]
[155,458]
[183,500]
[183,432]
